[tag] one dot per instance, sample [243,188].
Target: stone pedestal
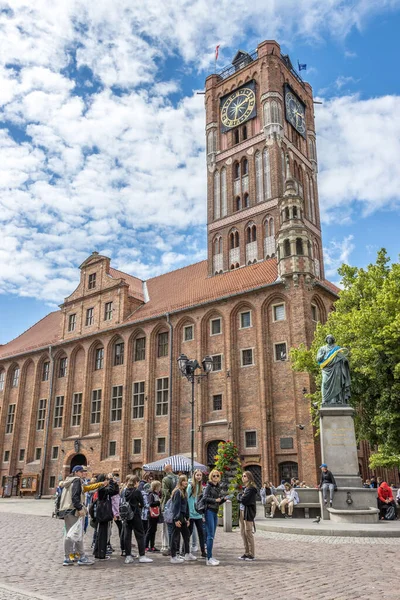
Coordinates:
[352,502]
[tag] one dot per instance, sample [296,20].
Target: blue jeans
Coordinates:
[211,526]
[325,488]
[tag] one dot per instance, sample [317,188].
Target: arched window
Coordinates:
[211,141]
[317,268]
[236,136]
[283,159]
[286,248]
[259,177]
[244,132]
[224,203]
[246,200]
[2,379]
[234,239]
[217,196]
[236,170]
[308,194]
[287,214]
[312,200]
[237,203]
[245,166]
[294,212]
[267,175]
[267,114]
[299,246]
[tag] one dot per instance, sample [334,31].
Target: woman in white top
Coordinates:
[290,498]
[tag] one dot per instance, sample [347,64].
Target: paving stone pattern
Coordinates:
[300,567]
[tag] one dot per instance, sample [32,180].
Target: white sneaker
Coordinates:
[128,560]
[271,516]
[145,559]
[194,549]
[190,557]
[212,562]
[176,560]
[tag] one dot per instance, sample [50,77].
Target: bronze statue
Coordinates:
[335,372]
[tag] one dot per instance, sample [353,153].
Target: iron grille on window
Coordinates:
[99,360]
[58,411]
[119,354]
[251,439]
[163,344]
[10,418]
[96,407]
[76,410]
[116,403]
[138,400]
[162,397]
[140,348]
[41,414]
[217,402]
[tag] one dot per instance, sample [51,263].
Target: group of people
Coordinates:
[186,509]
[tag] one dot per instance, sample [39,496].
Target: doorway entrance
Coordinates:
[78,459]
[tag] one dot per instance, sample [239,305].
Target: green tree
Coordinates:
[228,464]
[366,320]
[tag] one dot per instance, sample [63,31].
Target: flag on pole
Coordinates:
[216,52]
[302,67]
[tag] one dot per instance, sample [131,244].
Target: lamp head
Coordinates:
[207,363]
[182,362]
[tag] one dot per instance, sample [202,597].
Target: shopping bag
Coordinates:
[75,534]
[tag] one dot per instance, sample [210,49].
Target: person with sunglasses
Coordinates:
[213,499]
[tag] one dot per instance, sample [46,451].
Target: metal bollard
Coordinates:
[227,520]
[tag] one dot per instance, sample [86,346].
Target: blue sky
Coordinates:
[102,132]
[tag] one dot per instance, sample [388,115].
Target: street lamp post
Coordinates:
[188,368]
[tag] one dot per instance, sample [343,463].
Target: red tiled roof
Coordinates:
[135,284]
[331,286]
[191,285]
[45,332]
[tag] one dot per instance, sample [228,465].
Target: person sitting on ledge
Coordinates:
[290,498]
[327,483]
[385,499]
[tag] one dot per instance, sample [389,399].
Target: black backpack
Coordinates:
[200,505]
[125,509]
[390,514]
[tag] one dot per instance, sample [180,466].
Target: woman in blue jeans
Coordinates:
[213,499]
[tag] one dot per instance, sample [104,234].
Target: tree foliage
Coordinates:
[366,320]
[228,464]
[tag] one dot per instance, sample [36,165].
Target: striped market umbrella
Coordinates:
[177,462]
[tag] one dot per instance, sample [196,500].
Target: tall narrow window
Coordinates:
[2,379]
[10,418]
[236,136]
[89,316]
[259,177]
[140,348]
[71,322]
[286,248]
[162,396]
[224,201]
[99,359]
[58,411]
[118,354]
[41,415]
[116,403]
[15,377]
[62,370]
[95,410]
[108,311]
[46,371]
[92,281]
[162,344]
[217,196]
[267,175]
[138,400]
[299,246]
[76,410]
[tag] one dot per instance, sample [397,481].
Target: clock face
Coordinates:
[295,112]
[238,107]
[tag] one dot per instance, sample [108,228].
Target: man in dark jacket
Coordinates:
[327,483]
[104,515]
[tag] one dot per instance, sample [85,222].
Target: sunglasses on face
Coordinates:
[215,476]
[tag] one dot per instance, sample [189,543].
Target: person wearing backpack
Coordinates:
[130,512]
[247,514]
[168,485]
[104,515]
[154,502]
[385,501]
[194,490]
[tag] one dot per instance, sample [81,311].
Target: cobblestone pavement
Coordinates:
[300,567]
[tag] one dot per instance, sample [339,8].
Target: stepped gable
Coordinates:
[45,332]
[135,284]
[191,285]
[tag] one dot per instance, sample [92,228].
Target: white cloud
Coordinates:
[343,81]
[337,253]
[97,157]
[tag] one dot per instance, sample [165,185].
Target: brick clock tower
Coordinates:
[262,167]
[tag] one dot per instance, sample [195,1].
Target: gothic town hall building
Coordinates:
[98,382]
